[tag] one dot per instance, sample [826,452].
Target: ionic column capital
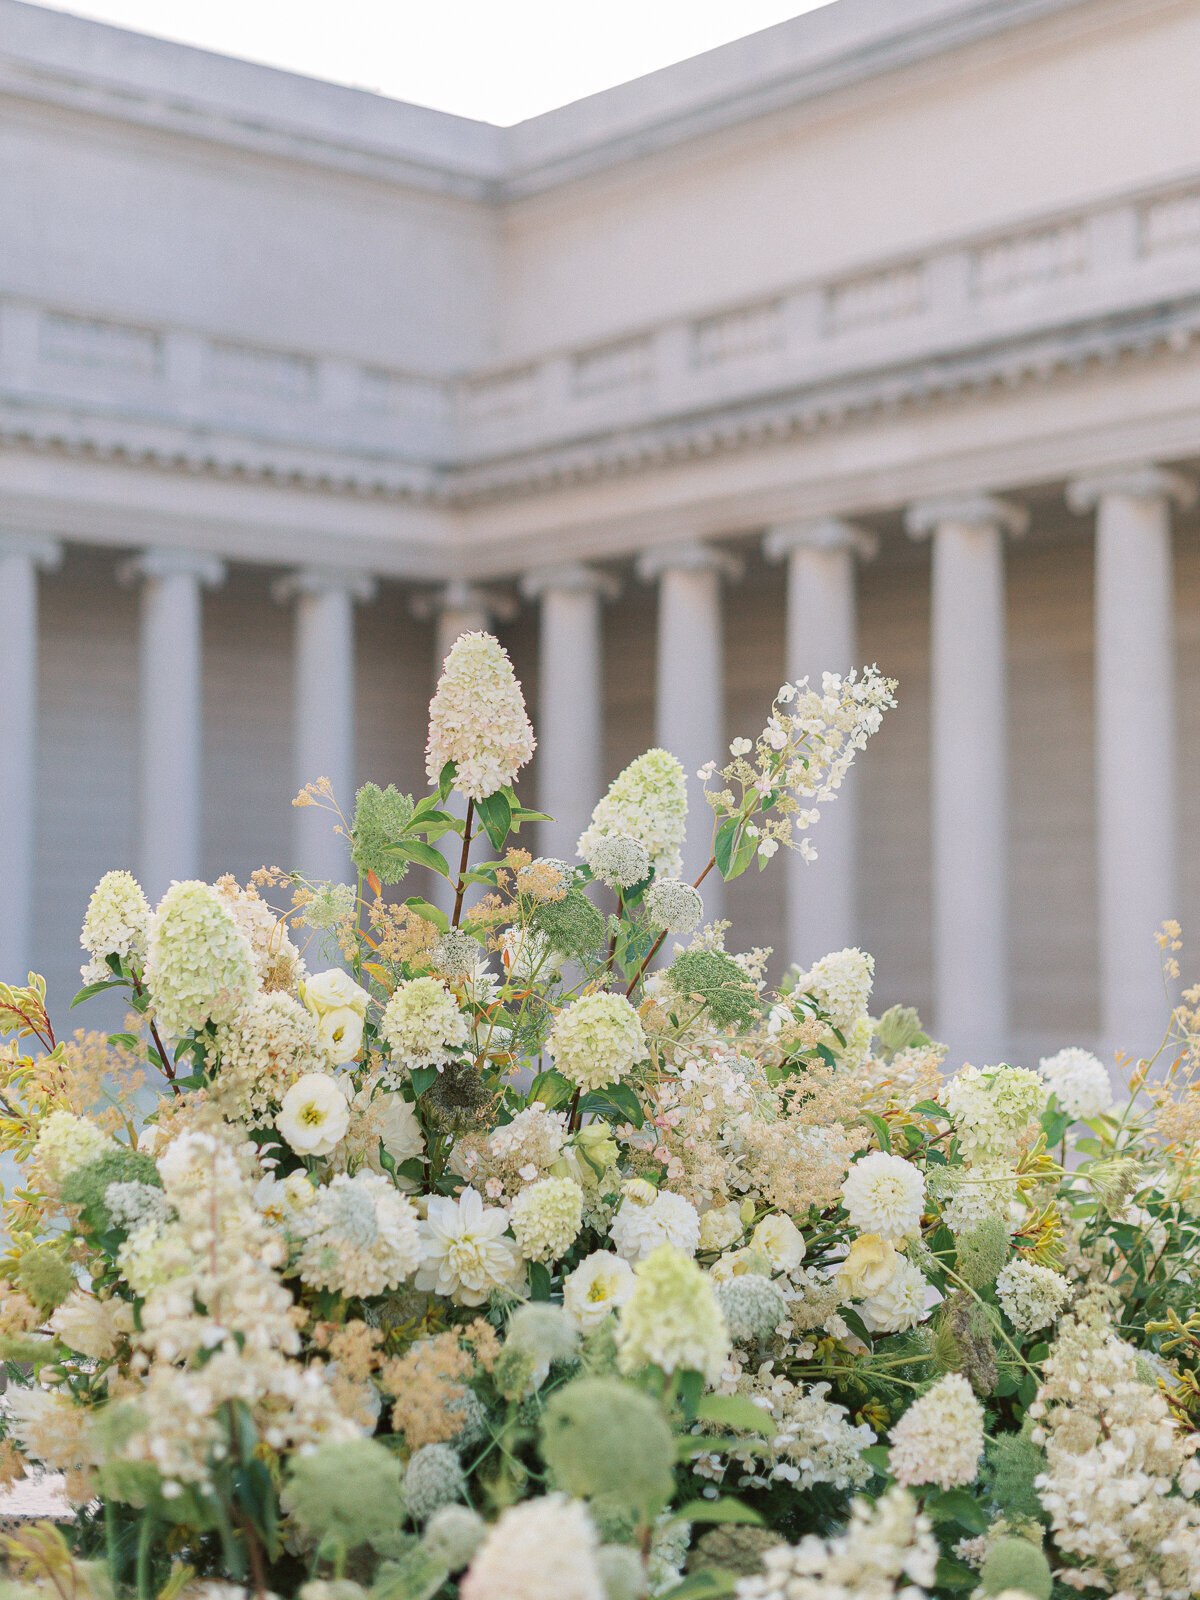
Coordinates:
[965,511]
[823,533]
[460,596]
[572,578]
[692,556]
[165,562]
[350,581]
[1143,481]
[44,553]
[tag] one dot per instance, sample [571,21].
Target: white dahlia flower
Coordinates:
[477,718]
[638,1228]
[884,1195]
[900,1304]
[464,1252]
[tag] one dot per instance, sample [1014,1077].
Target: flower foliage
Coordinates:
[509,1261]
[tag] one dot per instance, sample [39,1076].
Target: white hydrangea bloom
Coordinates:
[939,1439]
[596,1040]
[602,1282]
[1079,1081]
[814,1440]
[465,1254]
[992,1107]
[672,904]
[199,967]
[477,718]
[840,983]
[65,1143]
[646,802]
[1032,1297]
[262,1051]
[616,859]
[638,1229]
[115,924]
[360,1236]
[422,1023]
[887,1552]
[884,1195]
[542,1549]
[546,1218]
[672,1319]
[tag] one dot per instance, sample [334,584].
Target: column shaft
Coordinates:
[19,561]
[323,721]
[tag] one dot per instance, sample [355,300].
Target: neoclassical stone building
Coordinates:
[874,336]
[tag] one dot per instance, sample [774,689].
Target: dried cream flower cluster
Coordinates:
[477,718]
[647,803]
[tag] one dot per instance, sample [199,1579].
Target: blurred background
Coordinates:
[869,336]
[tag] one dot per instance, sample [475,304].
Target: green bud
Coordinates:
[605,1440]
[982,1252]
[350,1489]
[1016,1564]
[46,1276]
[898,1028]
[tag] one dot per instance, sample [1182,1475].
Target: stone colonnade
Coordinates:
[1134,718]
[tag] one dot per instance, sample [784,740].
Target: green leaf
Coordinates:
[495,812]
[614,1100]
[430,913]
[726,1509]
[930,1108]
[123,1041]
[691,1387]
[878,1457]
[882,1131]
[743,855]
[551,1088]
[1055,1123]
[956,1505]
[435,825]
[522,814]
[446,779]
[485,874]
[422,1077]
[953,1574]
[856,1324]
[736,1411]
[706,1585]
[90,989]
[539,1280]
[424,855]
[723,844]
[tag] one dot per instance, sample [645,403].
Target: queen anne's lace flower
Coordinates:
[423,1024]
[360,1236]
[840,983]
[752,1306]
[477,718]
[672,1319]
[602,1282]
[639,1228]
[646,802]
[1032,1296]
[433,1478]
[200,967]
[314,1115]
[262,1051]
[596,1040]
[1079,1082]
[939,1439]
[456,954]
[115,924]
[616,859]
[464,1252]
[542,1549]
[672,904]
[546,1218]
[885,1195]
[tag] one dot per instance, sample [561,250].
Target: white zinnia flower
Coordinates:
[423,1024]
[885,1195]
[314,1115]
[939,1439]
[646,802]
[1079,1082]
[477,718]
[465,1254]
[543,1549]
[602,1282]
[637,1229]
[115,924]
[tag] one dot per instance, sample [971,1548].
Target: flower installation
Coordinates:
[530,1247]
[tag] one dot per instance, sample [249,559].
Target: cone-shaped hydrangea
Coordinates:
[115,924]
[647,802]
[200,968]
[477,718]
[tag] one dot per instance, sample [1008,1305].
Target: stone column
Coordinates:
[20,558]
[689,681]
[323,708]
[1136,821]
[969,770]
[822,637]
[570,729]
[170,711]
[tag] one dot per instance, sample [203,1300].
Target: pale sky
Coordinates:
[499,60]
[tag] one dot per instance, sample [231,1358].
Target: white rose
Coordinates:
[779,1239]
[335,991]
[341,1032]
[314,1115]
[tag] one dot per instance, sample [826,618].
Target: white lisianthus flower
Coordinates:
[602,1282]
[720,1226]
[92,1327]
[778,1239]
[1079,1082]
[885,1195]
[340,1007]
[314,1115]
[477,719]
[637,1229]
[464,1252]
[115,924]
[596,1040]
[279,1201]
[939,1439]
[869,1267]
[900,1305]
[423,1024]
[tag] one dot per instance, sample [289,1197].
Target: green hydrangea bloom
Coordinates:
[718,980]
[1011,1464]
[983,1252]
[380,817]
[1016,1564]
[45,1275]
